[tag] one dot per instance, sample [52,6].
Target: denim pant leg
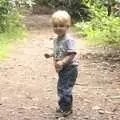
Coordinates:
[66,81]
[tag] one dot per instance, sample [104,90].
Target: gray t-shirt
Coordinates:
[64,46]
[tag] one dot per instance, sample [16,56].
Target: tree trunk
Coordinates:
[109,7]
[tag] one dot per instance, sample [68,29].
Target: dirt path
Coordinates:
[28,81]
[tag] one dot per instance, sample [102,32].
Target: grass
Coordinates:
[8,39]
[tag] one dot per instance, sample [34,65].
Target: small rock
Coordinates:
[96,108]
[101,111]
[86,117]
[49,90]
[27,118]
[61,118]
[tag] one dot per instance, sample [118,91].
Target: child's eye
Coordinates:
[54,25]
[58,25]
[61,25]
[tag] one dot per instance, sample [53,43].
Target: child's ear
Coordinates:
[72,21]
[68,26]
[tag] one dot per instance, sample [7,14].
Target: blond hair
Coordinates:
[61,17]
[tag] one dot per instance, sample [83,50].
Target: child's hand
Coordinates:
[58,65]
[47,55]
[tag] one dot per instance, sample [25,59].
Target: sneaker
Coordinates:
[59,113]
[67,113]
[58,110]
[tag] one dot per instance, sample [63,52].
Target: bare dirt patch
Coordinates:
[28,81]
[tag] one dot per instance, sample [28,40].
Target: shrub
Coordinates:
[102,29]
[10,14]
[76,8]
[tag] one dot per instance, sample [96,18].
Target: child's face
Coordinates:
[60,29]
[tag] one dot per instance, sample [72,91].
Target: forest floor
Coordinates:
[28,80]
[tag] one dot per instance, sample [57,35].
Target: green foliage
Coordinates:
[7,38]
[102,29]
[3,14]
[11,26]
[76,8]
[10,14]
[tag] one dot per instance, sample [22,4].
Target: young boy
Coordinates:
[64,61]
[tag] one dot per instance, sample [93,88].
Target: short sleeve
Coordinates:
[70,46]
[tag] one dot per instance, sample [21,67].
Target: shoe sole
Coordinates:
[67,114]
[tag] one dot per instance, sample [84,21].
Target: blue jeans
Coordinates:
[66,81]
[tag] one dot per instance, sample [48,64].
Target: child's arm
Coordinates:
[70,53]
[65,60]
[68,58]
